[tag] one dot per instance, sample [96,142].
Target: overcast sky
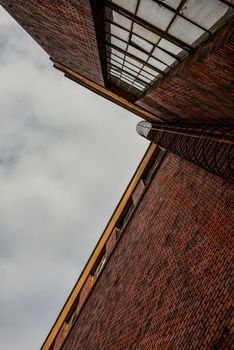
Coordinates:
[66,156]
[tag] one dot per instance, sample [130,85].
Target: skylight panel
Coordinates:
[145,33]
[129,5]
[129,70]
[115,63]
[147,75]
[134,62]
[139,86]
[117,53]
[151,71]
[119,32]
[115,73]
[117,59]
[163,56]
[155,14]
[126,79]
[145,45]
[157,64]
[132,67]
[205,13]
[169,46]
[119,43]
[137,53]
[172,3]
[122,21]
[185,31]
[142,77]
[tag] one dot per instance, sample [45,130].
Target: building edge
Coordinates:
[147,165]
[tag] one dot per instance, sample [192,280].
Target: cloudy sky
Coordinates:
[66,156]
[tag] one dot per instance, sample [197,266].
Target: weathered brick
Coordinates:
[165,285]
[200,88]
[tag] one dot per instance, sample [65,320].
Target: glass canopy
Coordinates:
[146,38]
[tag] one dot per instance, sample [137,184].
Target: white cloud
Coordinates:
[66,156]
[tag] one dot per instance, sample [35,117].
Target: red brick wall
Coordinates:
[169,282]
[200,88]
[65,30]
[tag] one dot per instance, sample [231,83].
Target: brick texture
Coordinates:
[169,283]
[200,88]
[64,29]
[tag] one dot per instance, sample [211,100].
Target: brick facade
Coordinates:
[169,282]
[64,29]
[200,88]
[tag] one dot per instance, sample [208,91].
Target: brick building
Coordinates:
[161,275]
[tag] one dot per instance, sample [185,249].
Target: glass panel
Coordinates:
[155,14]
[129,70]
[141,43]
[128,76]
[185,31]
[157,64]
[147,75]
[135,62]
[139,86]
[117,59]
[145,33]
[129,65]
[121,20]
[142,77]
[151,71]
[129,5]
[118,43]
[115,74]
[116,64]
[167,45]
[118,53]
[172,3]
[115,70]
[120,33]
[136,87]
[206,13]
[137,53]
[125,79]
[163,56]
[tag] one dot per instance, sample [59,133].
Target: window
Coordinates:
[125,215]
[98,266]
[153,165]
